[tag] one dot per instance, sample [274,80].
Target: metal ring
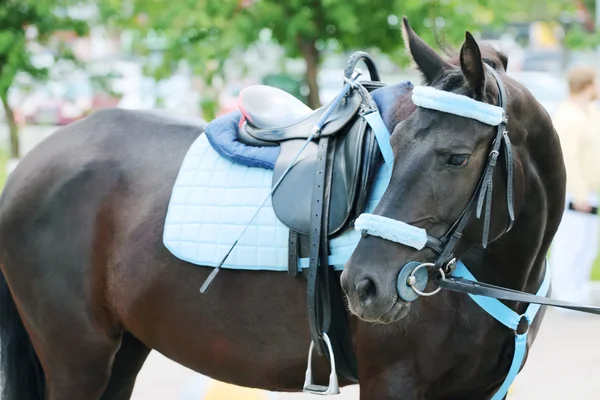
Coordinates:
[412,274]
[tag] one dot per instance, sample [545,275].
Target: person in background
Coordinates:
[575,246]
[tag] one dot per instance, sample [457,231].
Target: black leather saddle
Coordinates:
[285,121]
[323,192]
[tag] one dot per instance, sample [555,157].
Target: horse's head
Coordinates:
[440,159]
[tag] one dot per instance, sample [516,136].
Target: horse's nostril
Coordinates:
[366,291]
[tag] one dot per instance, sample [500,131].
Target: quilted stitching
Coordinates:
[212,201]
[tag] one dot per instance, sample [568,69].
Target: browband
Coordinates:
[457,104]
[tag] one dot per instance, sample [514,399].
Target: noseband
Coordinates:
[418,238]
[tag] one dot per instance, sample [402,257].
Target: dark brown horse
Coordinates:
[89,289]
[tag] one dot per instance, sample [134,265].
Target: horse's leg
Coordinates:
[81,373]
[127,364]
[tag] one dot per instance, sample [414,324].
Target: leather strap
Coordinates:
[316,225]
[326,312]
[508,157]
[293,253]
[463,285]
[323,267]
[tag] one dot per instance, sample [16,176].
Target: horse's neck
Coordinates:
[516,259]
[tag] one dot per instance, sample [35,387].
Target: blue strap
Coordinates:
[382,135]
[510,319]
[492,306]
[515,367]
[337,260]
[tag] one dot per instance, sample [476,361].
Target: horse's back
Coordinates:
[85,175]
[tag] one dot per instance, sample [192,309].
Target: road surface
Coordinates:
[564,364]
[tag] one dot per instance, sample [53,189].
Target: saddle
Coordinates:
[320,187]
[283,120]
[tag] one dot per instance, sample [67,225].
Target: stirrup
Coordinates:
[311,388]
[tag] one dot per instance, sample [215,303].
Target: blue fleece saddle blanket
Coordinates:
[214,198]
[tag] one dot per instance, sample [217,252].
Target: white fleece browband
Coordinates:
[457,104]
[391,229]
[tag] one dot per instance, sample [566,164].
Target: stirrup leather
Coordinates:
[333,387]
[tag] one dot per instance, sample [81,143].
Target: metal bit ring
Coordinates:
[412,280]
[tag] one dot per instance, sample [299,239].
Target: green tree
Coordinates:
[206,32]
[22,21]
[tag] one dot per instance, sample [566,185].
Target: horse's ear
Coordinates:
[429,62]
[472,65]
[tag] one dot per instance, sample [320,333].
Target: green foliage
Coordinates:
[17,17]
[23,21]
[577,38]
[206,32]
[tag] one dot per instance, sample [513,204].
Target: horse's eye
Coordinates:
[458,160]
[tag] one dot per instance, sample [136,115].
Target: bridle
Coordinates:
[483,193]
[454,275]
[481,200]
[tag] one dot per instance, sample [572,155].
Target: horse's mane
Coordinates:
[454,81]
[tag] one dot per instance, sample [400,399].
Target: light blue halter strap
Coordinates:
[509,318]
[382,135]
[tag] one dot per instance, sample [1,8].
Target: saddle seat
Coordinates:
[268,107]
[273,116]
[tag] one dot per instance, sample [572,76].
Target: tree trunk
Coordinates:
[12,126]
[311,56]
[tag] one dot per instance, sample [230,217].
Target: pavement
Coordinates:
[563,364]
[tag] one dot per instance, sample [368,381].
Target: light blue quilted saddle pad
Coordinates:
[213,200]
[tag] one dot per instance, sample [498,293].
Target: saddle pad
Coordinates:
[222,132]
[213,199]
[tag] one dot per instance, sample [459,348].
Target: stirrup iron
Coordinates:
[311,388]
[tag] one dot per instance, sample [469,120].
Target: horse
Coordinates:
[88,288]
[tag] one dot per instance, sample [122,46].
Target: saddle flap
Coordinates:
[354,157]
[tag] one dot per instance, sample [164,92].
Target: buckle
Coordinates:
[494,157]
[309,386]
